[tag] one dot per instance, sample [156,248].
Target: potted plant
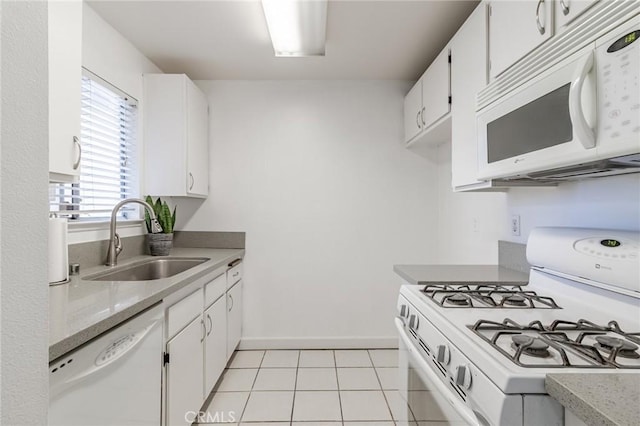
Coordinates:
[160,244]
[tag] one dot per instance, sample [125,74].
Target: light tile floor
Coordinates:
[310,388]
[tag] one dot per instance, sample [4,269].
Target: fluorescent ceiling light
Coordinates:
[297,27]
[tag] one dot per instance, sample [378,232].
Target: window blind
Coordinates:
[108,166]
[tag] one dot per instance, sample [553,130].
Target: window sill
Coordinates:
[97,225]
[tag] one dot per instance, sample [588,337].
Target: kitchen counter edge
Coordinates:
[460,274]
[608,399]
[170,286]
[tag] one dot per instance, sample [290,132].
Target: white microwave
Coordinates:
[579,118]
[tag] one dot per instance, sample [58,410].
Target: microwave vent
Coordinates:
[611,167]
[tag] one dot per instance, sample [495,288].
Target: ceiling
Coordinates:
[220,40]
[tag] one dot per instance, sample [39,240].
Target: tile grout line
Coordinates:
[384,395]
[252,385]
[335,369]
[295,386]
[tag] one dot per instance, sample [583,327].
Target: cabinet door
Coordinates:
[515,29]
[568,10]
[197,141]
[468,77]
[65,61]
[435,90]
[234,317]
[185,372]
[215,350]
[413,112]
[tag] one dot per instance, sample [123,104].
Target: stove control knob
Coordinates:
[404,311]
[462,376]
[443,356]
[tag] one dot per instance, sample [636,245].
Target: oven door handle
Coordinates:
[581,127]
[462,410]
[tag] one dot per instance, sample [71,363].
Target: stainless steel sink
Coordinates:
[147,270]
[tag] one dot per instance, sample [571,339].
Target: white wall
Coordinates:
[24,169]
[316,173]
[610,203]
[469,223]
[106,53]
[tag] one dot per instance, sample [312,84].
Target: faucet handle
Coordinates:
[117,243]
[155,226]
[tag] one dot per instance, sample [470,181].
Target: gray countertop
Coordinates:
[81,310]
[460,274]
[598,398]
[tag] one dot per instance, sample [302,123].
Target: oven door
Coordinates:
[545,124]
[427,397]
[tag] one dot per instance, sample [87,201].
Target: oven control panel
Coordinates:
[607,258]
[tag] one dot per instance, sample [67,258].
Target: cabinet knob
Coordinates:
[76,142]
[565,8]
[541,28]
[210,324]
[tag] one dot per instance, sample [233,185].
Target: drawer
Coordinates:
[183,312]
[214,289]
[234,275]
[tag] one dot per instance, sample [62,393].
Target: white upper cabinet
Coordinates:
[568,10]
[176,123]
[436,90]
[427,107]
[468,76]
[413,112]
[65,74]
[515,29]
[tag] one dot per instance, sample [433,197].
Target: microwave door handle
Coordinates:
[581,127]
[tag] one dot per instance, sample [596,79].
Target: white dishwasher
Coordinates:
[114,379]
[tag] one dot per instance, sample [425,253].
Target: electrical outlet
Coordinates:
[515,225]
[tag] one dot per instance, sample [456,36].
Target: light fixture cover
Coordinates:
[297,27]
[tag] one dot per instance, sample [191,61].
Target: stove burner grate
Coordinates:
[485,296]
[536,340]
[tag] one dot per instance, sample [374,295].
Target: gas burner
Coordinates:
[530,346]
[624,348]
[514,300]
[563,343]
[486,296]
[458,299]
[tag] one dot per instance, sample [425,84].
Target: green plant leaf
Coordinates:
[147,218]
[173,217]
[166,219]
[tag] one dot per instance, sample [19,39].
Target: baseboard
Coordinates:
[248,343]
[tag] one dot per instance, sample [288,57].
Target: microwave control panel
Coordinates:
[618,76]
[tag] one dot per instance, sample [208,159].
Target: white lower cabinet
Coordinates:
[203,328]
[215,348]
[184,373]
[234,317]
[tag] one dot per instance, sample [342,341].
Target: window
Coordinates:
[108,167]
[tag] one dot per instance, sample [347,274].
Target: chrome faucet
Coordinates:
[115,245]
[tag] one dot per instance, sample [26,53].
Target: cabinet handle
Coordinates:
[192,181]
[565,8]
[541,28]
[210,324]
[422,116]
[418,120]
[231,307]
[76,141]
[204,331]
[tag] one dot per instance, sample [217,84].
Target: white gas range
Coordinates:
[478,354]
